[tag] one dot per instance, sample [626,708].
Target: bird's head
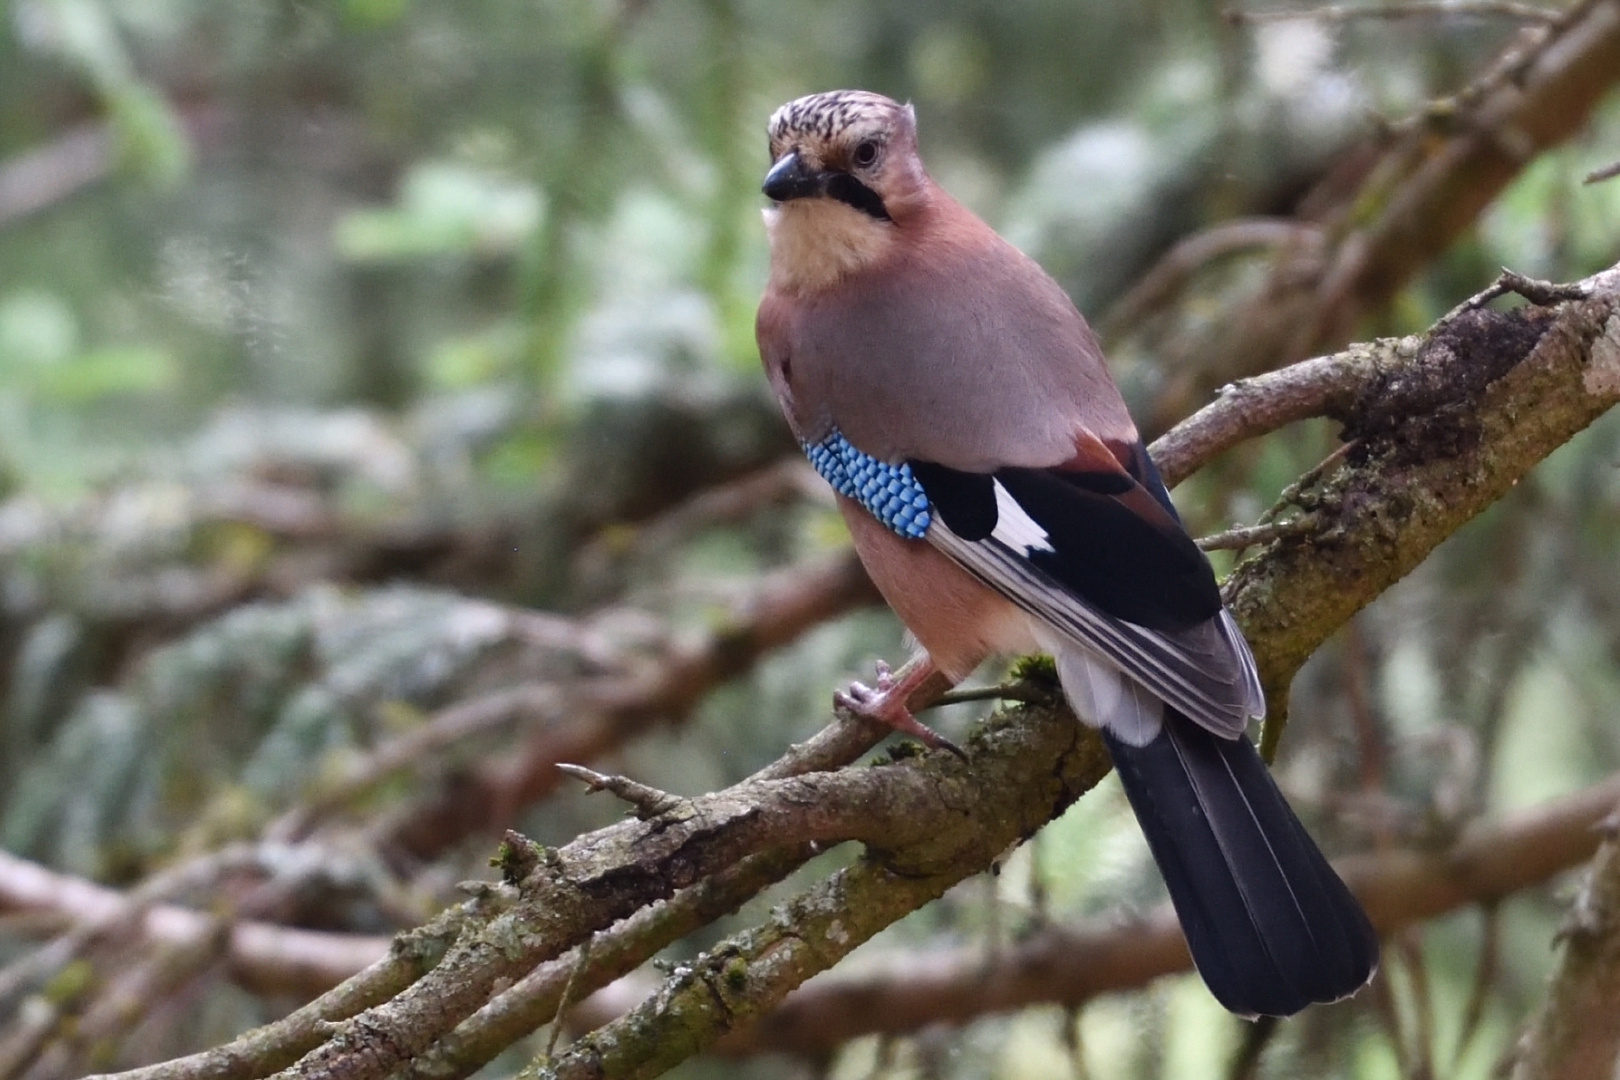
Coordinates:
[844,175]
[849,146]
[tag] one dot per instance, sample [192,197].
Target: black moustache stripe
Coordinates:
[846,189]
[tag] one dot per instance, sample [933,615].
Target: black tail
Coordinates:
[1270,926]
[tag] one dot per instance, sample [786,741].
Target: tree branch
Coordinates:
[1326,386]
[1504,9]
[1028,765]
[941,822]
[1071,964]
[262,955]
[1577,1034]
[1411,195]
[1432,442]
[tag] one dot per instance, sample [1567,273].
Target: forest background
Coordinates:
[381,425]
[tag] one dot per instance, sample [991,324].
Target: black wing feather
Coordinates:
[965,501]
[1113,557]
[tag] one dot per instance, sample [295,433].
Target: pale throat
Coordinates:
[816,242]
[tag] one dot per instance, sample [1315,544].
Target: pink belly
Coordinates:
[955,618]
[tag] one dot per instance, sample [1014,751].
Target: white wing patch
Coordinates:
[1015,528]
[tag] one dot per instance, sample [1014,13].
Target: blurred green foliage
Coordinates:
[492,266]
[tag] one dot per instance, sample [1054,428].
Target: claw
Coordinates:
[886,704]
[855,697]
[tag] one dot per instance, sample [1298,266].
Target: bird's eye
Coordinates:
[866,152]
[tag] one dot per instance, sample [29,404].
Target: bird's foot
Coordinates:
[886,703]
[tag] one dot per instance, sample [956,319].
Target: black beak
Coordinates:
[790,179]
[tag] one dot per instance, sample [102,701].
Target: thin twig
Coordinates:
[37,966]
[580,964]
[1257,1036]
[263,1050]
[1607,172]
[780,482]
[1247,536]
[1544,293]
[1419,186]
[1486,972]
[614,709]
[123,999]
[1501,9]
[1408,947]
[1008,691]
[648,801]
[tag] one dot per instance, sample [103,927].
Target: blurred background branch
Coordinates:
[1576,1033]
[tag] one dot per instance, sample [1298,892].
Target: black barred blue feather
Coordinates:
[890,493]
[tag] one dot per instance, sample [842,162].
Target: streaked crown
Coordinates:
[827,127]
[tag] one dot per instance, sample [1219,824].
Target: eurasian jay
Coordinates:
[1001,499]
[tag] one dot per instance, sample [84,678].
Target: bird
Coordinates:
[1000,498]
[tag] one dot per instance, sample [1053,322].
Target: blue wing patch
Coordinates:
[889,492]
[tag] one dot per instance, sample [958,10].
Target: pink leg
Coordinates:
[886,702]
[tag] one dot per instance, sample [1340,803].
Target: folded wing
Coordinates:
[1099,556]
